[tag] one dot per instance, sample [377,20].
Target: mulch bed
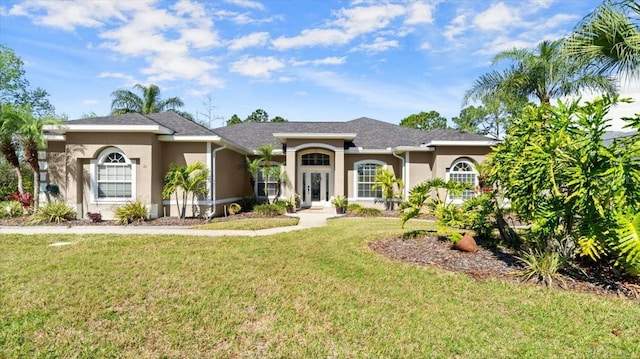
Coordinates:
[498,263]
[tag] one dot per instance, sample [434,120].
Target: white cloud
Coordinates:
[90,102]
[163,37]
[379,44]
[251,40]
[503,43]
[420,13]
[247,4]
[128,79]
[497,17]
[456,27]
[333,60]
[349,24]
[261,66]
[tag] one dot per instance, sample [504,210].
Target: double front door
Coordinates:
[316,188]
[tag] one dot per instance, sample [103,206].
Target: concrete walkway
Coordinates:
[309,218]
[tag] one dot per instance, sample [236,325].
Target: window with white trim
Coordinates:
[365,173]
[113,177]
[264,177]
[463,170]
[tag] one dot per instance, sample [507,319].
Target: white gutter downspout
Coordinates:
[213,180]
[404,190]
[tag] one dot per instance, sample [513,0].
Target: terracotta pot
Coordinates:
[290,209]
[466,244]
[340,210]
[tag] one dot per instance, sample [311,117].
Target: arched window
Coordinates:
[315,159]
[366,177]
[463,170]
[113,177]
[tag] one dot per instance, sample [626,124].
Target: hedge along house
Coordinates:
[104,162]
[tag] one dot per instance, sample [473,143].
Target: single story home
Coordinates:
[104,162]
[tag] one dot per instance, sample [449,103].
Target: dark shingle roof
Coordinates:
[370,133]
[126,119]
[182,126]
[171,120]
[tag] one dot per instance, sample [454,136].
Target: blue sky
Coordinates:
[311,60]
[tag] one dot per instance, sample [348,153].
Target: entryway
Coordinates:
[317,187]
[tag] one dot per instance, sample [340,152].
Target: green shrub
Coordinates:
[52,212]
[353,207]
[131,212]
[478,215]
[11,209]
[366,211]
[269,210]
[542,266]
[248,203]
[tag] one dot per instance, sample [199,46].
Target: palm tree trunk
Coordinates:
[9,152]
[20,180]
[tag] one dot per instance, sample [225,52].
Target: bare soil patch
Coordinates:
[498,263]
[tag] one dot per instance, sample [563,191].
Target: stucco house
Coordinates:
[104,162]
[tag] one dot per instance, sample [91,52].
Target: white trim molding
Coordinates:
[157,129]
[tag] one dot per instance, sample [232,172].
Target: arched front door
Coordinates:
[315,182]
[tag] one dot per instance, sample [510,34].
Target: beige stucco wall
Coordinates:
[445,156]
[419,168]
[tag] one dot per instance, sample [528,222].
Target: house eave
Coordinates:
[155,129]
[173,138]
[461,143]
[283,136]
[55,138]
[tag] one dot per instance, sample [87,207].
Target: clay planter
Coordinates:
[341,210]
[290,209]
[466,244]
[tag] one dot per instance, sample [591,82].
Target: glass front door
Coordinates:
[315,188]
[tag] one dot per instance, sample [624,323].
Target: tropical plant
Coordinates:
[562,177]
[11,209]
[478,214]
[542,266]
[32,139]
[264,165]
[185,180]
[126,101]
[340,202]
[608,38]
[52,212]
[627,244]
[435,196]
[10,122]
[131,212]
[543,73]
[391,186]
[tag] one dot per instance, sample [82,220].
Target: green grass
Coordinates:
[314,293]
[251,224]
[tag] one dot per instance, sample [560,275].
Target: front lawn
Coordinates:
[313,293]
[251,224]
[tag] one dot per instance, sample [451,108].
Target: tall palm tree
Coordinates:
[542,73]
[126,101]
[32,138]
[609,38]
[9,125]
